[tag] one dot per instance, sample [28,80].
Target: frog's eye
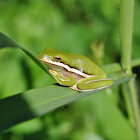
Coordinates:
[57,58]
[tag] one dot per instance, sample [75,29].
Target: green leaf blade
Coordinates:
[36,102]
[8,42]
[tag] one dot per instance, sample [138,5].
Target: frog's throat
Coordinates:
[68,68]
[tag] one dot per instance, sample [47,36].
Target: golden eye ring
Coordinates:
[57,58]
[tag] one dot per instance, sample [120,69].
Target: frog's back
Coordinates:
[83,64]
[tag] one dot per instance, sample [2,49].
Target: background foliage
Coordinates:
[90,28]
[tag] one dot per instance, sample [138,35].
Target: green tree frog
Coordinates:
[74,70]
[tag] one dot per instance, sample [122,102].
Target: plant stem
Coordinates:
[126,23]
[127,99]
[135,107]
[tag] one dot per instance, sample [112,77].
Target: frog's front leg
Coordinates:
[94,83]
[66,81]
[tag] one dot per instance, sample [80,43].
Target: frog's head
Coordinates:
[50,54]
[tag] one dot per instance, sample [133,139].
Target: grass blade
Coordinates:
[8,42]
[36,102]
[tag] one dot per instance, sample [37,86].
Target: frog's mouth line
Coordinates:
[67,67]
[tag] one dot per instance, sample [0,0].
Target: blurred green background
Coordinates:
[90,28]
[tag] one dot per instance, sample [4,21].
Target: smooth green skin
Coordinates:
[81,63]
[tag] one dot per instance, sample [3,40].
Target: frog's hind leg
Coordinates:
[66,81]
[93,83]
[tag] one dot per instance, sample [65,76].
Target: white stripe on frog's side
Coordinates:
[66,67]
